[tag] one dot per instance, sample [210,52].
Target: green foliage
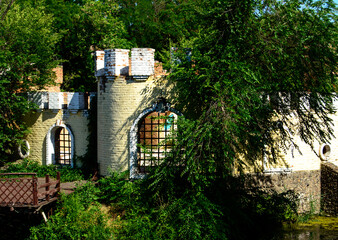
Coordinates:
[27,56]
[145,217]
[114,189]
[148,210]
[156,23]
[84,27]
[139,210]
[245,75]
[78,217]
[68,174]
[89,160]
[252,70]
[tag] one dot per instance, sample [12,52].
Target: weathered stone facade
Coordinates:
[305,184]
[127,88]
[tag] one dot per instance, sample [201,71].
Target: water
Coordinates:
[318,228]
[309,234]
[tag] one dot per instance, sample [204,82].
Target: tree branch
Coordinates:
[7,9]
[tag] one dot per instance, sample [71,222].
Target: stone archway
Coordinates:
[50,143]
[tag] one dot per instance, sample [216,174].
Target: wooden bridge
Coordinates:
[26,190]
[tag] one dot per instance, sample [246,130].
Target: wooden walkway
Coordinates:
[26,190]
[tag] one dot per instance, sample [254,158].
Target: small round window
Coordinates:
[325,151]
[23,149]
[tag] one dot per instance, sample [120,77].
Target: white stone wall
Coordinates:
[121,98]
[57,100]
[306,158]
[142,63]
[41,122]
[116,62]
[121,103]
[50,114]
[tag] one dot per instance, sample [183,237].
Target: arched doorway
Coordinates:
[60,145]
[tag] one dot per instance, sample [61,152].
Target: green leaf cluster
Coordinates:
[68,174]
[257,74]
[84,27]
[148,210]
[156,23]
[79,217]
[27,45]
[137,211]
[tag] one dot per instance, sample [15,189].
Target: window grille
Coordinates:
[63,147]
[154,142]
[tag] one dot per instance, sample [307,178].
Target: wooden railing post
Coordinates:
[35,190]
[58,184]
[47,187]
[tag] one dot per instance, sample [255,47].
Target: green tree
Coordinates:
[84,26]
[255,74]
[252,70]
[27,57]
[157,23]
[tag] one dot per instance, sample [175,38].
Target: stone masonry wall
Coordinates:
[41,122]
[126,87]
[118,106]
[57,109]
[306,184]
[329,188]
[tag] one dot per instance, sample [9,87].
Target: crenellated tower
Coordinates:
[128,86]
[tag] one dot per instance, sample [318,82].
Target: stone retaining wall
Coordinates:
[306,184]
[329,188]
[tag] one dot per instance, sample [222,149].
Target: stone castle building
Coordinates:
[133,109]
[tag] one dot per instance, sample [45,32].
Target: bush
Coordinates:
[142,210]
[149,210]
[78,216]
[68,174]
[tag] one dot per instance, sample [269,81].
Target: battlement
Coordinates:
[73,101]
[112,63]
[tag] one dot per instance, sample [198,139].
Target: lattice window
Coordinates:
[154,138]
[63,146]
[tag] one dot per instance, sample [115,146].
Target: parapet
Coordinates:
[74,101]
[112,63]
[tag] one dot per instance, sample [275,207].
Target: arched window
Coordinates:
[63,146]
[150,139]
[153,138]
[59,145]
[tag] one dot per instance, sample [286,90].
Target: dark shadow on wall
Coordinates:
[49,114]
[44,151]
[31,118]
[329,188]
[89,160]
[304,184]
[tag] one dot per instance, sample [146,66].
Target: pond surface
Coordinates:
[318,228]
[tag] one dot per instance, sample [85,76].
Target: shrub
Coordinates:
[78,216]
[68,174]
